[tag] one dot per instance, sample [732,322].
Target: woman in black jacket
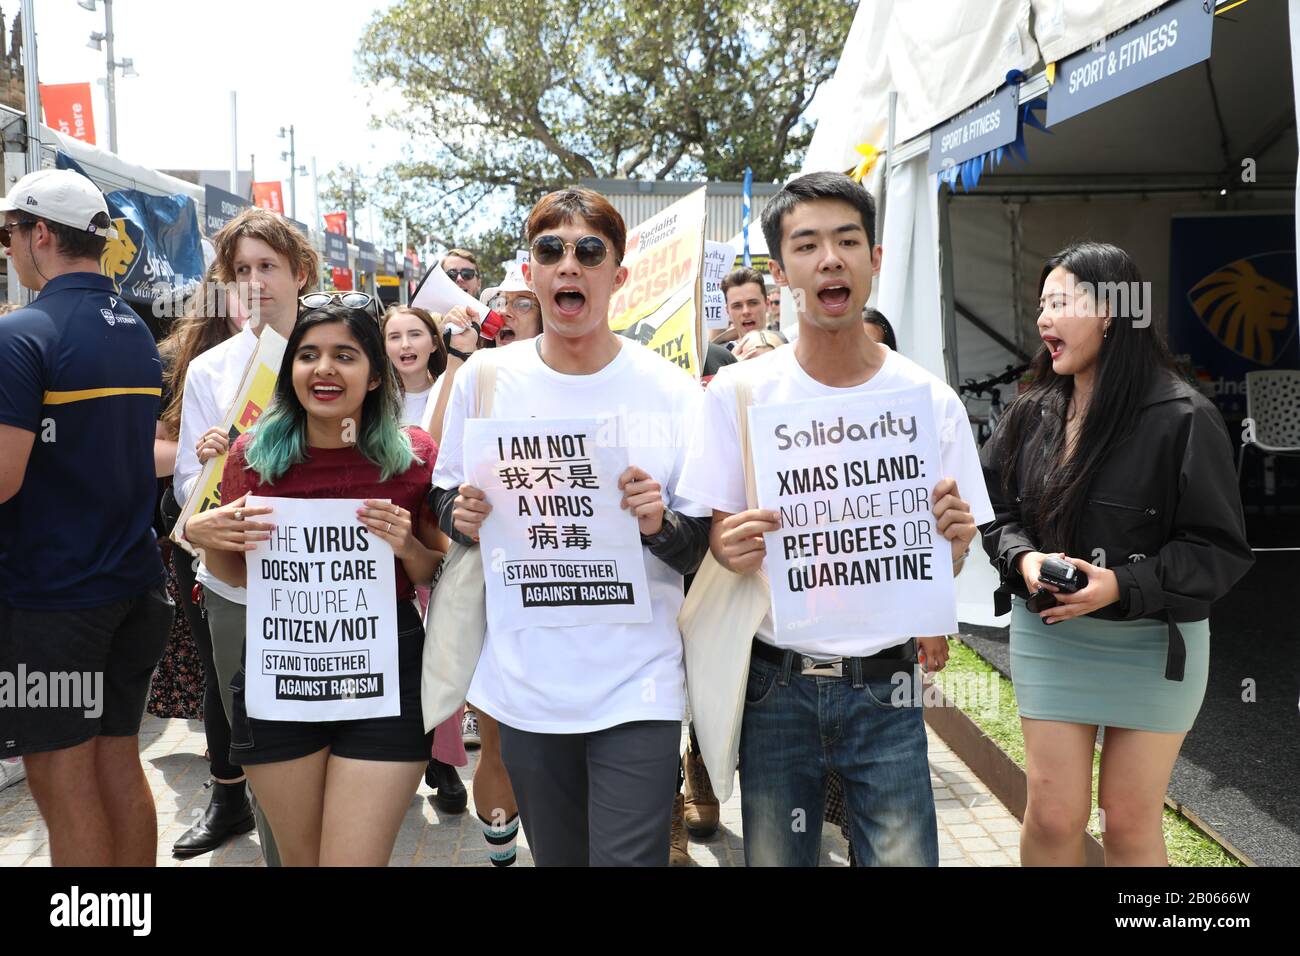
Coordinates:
[1112,463]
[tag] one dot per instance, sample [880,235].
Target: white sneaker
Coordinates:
[11,771]
[469,730]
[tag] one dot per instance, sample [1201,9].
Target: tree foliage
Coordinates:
[508,100]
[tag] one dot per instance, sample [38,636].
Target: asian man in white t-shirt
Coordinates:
[590,714]
[813,705]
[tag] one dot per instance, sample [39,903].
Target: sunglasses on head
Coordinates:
[590,251]
[7,231]
[466,274]
[352,300]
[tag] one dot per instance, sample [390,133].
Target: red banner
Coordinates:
[269,196]
[343,280]
[68,109]
[337,223]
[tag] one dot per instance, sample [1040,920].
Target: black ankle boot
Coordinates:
[229,814]
[450,795]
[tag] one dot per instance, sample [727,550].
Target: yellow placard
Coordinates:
[659,304]
[254,396]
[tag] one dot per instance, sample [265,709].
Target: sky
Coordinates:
[288,61]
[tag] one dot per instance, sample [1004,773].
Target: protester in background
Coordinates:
[335,791]
[879,328]
[418,354]
[213,316]
[773,297]
[462,266]
[1137,468]
[415,348]
[799,722]
[746,305]
[268,263]
[494,799]
[81,582]
[592,758]
[757,343]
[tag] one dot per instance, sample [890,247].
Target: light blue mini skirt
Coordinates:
[1109,673]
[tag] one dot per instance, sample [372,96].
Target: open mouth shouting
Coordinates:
[506,335]
[1055,346]
[408,361]
[569,301]
[834,298]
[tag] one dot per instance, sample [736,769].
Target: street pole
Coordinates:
[352,209]
[293,176]
[110,85]
[31,87]
[234,147]
[315,189]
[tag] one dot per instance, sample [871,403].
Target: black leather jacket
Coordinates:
[1164,513]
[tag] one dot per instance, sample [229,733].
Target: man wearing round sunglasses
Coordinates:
[590,714]
[462,266]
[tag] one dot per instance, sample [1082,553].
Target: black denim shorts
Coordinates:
[399,739]
[69,676]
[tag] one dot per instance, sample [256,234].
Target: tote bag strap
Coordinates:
[487,383]
[744,397]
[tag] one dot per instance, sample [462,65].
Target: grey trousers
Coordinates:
[598,799]
[226,623]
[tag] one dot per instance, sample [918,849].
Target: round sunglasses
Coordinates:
[590,251]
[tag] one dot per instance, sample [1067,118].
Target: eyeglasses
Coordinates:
[7,232]
[466,274]
[522,305]
[590,251]
[352,300]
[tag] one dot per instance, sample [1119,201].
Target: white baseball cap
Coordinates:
[61,196]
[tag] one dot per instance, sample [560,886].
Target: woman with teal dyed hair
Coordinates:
[334,791]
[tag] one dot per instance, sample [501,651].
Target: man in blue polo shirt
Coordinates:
[83,613]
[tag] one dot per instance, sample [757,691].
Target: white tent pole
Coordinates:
[889,161]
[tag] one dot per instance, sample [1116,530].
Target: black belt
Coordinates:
[886,663]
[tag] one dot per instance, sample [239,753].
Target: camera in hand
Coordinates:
[1061,575]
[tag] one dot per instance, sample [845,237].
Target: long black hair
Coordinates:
[1132,357]
[280,436]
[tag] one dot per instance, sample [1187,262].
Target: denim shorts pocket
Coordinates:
[762,678]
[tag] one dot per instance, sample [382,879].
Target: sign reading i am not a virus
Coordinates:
[858,551]
[558,549]
[322,616]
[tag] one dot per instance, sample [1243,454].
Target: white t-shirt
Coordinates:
[579,679]
[714,474]
[211,387]
[416,404]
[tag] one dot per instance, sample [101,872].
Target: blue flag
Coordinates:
[747,199]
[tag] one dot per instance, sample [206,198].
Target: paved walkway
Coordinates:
[974,828]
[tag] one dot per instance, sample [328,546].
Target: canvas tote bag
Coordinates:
[457,620]
[718,620]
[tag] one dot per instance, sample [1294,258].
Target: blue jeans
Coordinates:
[871,730]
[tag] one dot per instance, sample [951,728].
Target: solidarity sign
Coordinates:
[858,551]
[557,548]
[322,616]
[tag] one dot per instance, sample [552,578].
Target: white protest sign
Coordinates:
[558,549]
[718,257]
[439,293]
[858,551]
[322,616]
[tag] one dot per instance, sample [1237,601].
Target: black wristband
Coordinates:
[463,356]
